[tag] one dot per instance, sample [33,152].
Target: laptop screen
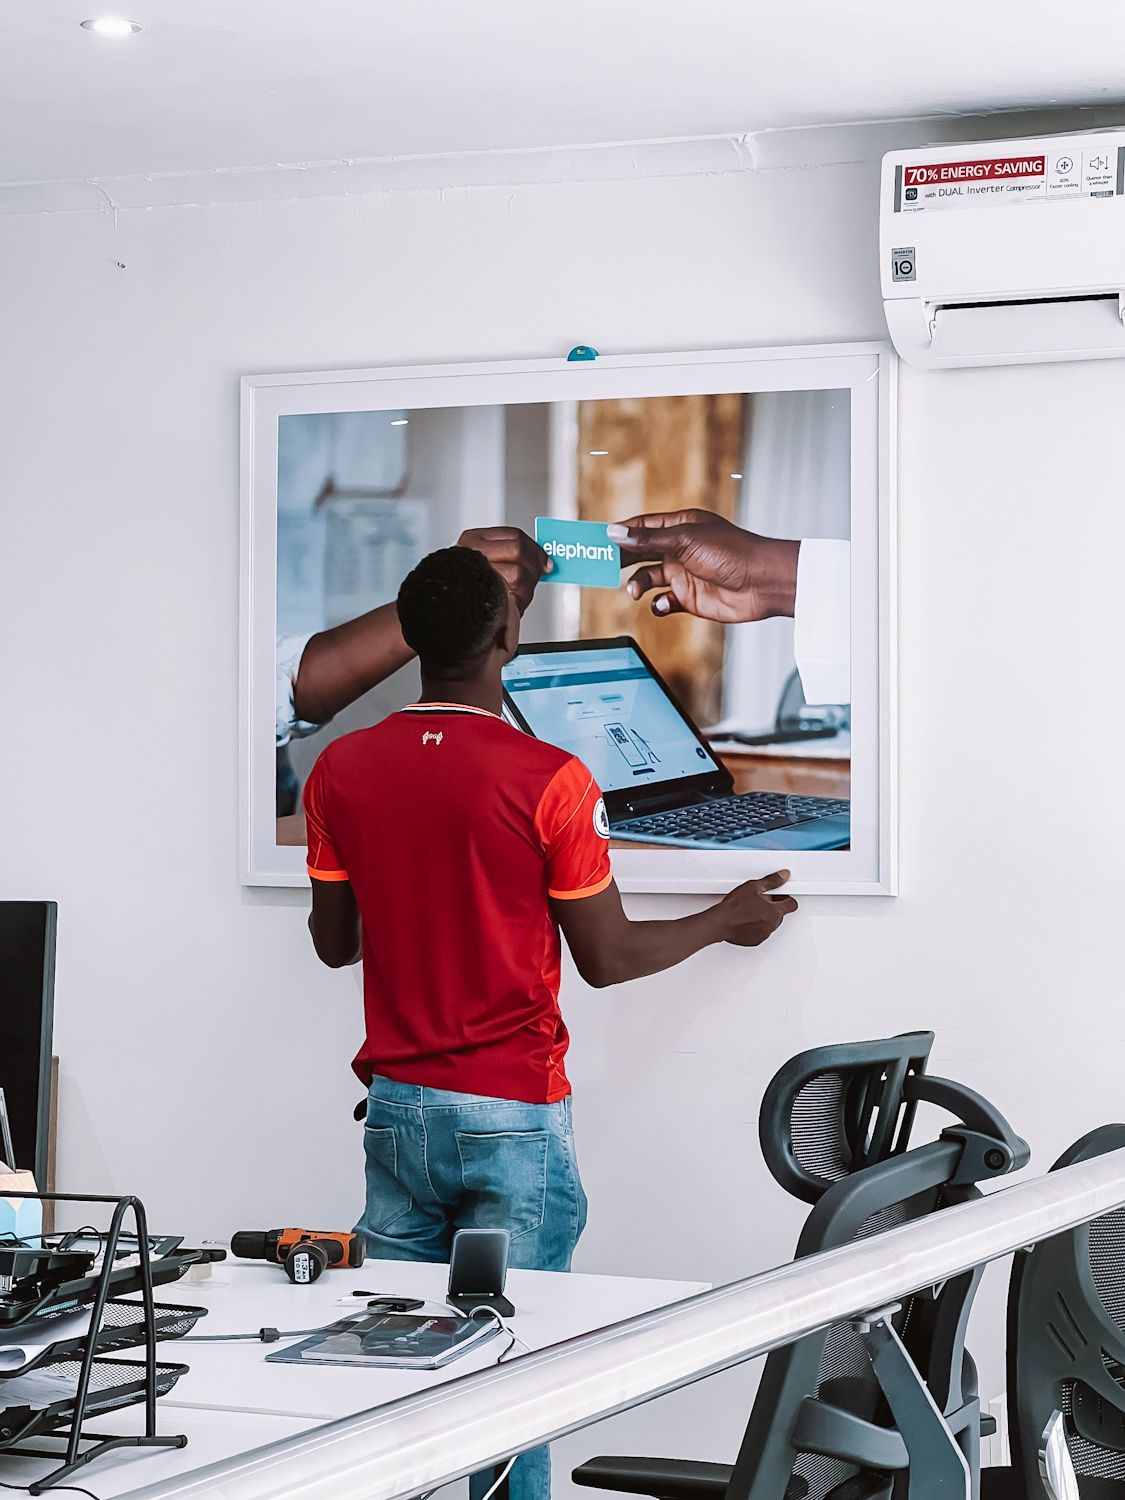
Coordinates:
[605,705]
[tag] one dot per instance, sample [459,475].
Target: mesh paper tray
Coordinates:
[113,1383]
[125,1281]
[123,1327]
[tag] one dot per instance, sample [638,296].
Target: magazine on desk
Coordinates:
[411,1341]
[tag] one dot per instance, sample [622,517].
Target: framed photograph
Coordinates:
[748,727]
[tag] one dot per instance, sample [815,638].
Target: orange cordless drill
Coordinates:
[304,1253]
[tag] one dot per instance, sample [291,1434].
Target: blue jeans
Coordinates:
[439,1161]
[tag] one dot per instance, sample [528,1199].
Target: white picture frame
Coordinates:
[868,371]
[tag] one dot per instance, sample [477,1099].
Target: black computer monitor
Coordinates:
[27,985]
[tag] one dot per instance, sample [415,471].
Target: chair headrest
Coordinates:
[832,1110]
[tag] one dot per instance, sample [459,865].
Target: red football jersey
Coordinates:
[454,829]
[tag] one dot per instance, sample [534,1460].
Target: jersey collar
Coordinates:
[448,708]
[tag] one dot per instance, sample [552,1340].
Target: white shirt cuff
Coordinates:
[822,621]
[290,649]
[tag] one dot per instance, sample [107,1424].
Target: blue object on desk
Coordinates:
[20,1218]
[581,353]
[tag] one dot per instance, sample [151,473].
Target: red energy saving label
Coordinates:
[996,169]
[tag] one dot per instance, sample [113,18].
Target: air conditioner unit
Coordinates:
[1006,252]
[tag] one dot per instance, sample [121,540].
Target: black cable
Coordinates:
[506,1354]
[68,1237]
[272,1335]
[25,1489]
[263,1336]
[513,1337]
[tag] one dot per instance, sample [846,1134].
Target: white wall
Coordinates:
[204,1051]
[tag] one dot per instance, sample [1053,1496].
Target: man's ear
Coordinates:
[508,636]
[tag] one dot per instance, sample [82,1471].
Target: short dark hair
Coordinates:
[450,607]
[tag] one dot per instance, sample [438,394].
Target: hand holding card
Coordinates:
[581,552]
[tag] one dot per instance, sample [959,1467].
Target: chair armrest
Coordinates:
[835,1433]
[987,1426]
[664,1478]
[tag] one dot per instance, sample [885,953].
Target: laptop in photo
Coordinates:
[605,702]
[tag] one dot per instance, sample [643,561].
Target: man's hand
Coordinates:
[608,948]
[750,914]
[340,665]
[519,561]
[708,566]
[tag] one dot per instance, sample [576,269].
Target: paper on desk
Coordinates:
[40,1388]
[20,1345]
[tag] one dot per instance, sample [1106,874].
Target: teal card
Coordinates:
[581,552]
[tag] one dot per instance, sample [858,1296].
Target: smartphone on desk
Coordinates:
[478,1269]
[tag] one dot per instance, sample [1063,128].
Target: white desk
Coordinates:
[232,1401]
[242,1297]
[211,1436]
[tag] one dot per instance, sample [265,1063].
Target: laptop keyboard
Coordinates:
[732,818]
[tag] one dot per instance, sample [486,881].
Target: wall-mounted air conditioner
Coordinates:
[1006,252]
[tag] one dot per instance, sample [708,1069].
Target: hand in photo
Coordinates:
[519,561]
[707,566]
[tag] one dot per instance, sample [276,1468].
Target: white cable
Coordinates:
[500,1478]
[508,1329]
[513,1337]
[514,1340]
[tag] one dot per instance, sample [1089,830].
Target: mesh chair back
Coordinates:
[1066,1341]
[835,1110]
[835,1130]
[851,1116]
[834,1368]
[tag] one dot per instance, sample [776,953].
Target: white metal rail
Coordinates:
[414,1444]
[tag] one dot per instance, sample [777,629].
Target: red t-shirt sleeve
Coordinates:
[571,821]
[324,862]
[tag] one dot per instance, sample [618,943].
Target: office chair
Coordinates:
[834,1128]
[1066,1351]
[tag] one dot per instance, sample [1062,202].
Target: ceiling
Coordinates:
[247,83]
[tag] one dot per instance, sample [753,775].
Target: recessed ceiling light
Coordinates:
[736,476]
[599,452]
[113,26]
[401,422]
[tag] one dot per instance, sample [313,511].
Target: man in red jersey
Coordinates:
[448,849]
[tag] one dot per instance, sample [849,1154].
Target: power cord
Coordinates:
[513,1337]
[488,1494]
[513,1340]
[269,1335]
[500,1478]
[25,1489]
[263,1336]
[66,1241]
[272,1335]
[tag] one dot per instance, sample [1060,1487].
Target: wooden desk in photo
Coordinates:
[796,775]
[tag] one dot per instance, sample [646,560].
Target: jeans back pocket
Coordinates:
[504,1173]
[387,1199]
